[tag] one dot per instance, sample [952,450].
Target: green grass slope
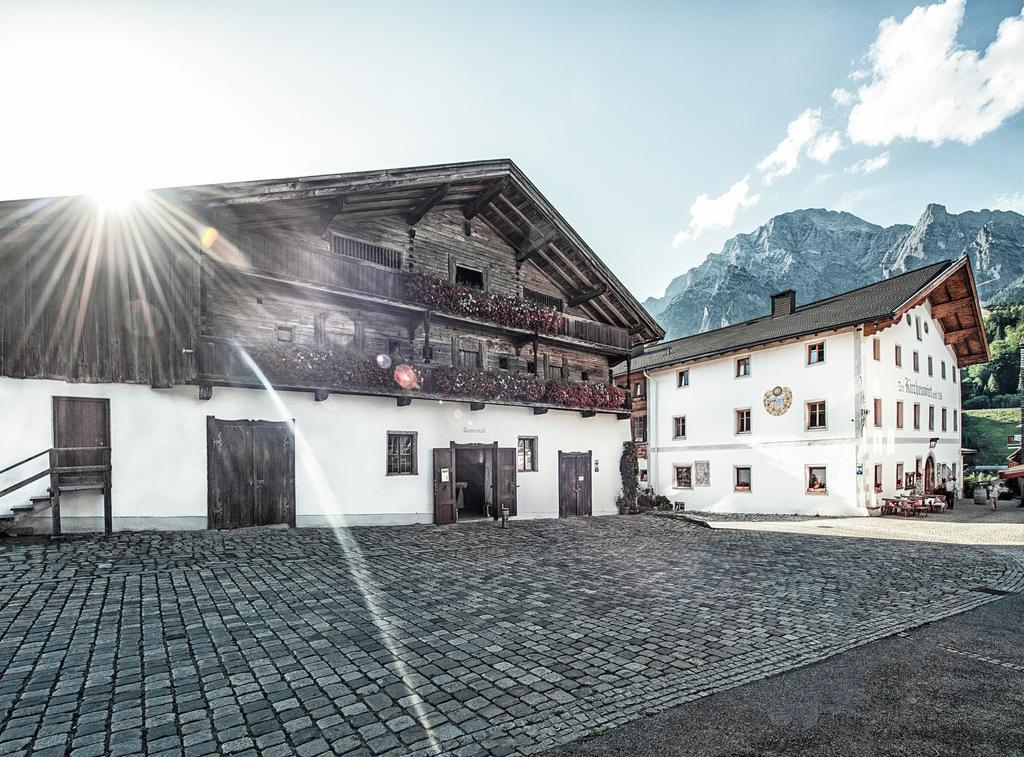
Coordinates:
[986,431]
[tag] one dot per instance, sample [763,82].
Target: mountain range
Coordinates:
[820,253]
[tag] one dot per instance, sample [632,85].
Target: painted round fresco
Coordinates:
[778,400]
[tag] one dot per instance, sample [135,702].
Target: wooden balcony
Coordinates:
[221,362]
[386,285]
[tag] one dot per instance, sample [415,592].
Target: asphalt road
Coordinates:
[955,687]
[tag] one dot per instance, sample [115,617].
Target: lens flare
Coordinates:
[207,237]
[405,376]
[384,361]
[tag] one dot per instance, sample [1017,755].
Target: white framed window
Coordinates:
[682,378]
[401,453]
[899,356]
[899,413]
[743,421]
[815,353]
[876,349]
[878,477]
[682,476]
[741,478]
[679,427]
[526,454]
[742,367]
[815,415]
[917,362]
[817,479]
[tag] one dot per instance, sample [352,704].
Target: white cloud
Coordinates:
[825,146]
[842,97]
[708,213]
[870,165]
[1013,202]
[784,159]
[924,87]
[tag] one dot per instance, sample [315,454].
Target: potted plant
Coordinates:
[629,472]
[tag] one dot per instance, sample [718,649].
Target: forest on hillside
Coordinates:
[997,382]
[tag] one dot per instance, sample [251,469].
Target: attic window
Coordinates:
[371,253]
[469,277]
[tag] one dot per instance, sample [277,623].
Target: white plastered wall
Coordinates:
[158,440]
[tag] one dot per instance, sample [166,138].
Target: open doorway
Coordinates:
[474,482]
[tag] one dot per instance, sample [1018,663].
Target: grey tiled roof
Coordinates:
[864,305]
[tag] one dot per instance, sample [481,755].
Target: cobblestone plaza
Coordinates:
[466,639]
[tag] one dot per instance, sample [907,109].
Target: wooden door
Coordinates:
[274,473]
[506,479]
[81,422]
[250,473]
[444,486]
[575,493]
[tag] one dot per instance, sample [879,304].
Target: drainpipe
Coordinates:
[652,475]
[859,417]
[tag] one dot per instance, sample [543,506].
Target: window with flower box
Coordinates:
[469,277]
[817,479]
[742,480]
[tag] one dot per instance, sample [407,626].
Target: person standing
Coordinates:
[950,492]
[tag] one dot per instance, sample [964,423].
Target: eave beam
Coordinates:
[323,221]
[472,210]
[587,295]
[530,249]
[943,309]
[417,213]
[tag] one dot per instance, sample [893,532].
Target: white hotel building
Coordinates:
[822,408]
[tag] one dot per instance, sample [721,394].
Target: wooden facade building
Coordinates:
[381,346]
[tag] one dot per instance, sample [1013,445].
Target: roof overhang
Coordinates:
[952,297]
[497,192]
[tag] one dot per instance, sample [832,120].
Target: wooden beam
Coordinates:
[540,411]
[320,394]
[476,406]
[428,202]
[331,212]
[589,413]
[958,335]
[635,329]
[403,401]
[205,392]
[943,309]
[472,210]
[586,296]
[529,249]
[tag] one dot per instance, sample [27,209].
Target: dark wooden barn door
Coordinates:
[250,473]
[507,486]
[81,422]
[574,484]
[444,486]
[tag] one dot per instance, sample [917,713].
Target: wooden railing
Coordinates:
[346,272]
[99,476]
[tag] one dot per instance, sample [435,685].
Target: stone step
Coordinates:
[40,498]
[23,509]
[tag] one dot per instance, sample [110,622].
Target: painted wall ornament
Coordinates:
[778,400]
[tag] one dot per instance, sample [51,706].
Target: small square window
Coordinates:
[742,367]
[815,353]
[401,453]
[638,389]
[743,481]
[682,378]
[817,481]
[876,349]
[679,427]
[682,477]
[584,376]
[503,363]
[526,454]
[285,334]
[816,414]
[743,421]
[899,356]
[394,346]
[469,277]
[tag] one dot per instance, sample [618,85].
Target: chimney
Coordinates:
[784,303]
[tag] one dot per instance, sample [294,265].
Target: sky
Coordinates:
[659,130]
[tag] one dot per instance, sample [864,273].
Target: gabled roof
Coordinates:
[948,285]
[496,191]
